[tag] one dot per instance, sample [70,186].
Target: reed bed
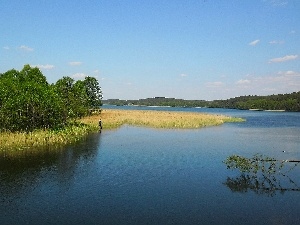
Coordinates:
[33,141]
[157,119]
[11,143]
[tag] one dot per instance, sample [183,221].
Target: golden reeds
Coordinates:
[157,119]
[40,138]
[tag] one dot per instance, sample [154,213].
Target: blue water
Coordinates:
[135,175]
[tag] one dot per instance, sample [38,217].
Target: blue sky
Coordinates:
[195,49]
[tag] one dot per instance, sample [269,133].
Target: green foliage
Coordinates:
[28,102]
[253,165]
[93,92]
[261,174]
[78,97]
[72,96]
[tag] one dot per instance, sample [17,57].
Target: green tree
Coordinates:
[64,88]
[76,97]
[81,99]
[93,92]
[27,101]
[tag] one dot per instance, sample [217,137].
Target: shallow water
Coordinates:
[135,175]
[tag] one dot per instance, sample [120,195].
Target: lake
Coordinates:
[136,175]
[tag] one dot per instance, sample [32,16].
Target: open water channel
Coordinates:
[136,175]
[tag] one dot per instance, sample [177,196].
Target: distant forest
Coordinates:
[287,102]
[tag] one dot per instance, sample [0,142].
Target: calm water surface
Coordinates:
[136,175]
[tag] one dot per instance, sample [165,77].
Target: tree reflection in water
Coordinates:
[262,174]
[24,172]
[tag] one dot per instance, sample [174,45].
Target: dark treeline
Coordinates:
[287,102]
[28,101]
[158,101]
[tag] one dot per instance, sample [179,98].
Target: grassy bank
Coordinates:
[14,142]
[157,119]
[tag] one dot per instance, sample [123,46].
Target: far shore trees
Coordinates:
[29,102]
[287,102]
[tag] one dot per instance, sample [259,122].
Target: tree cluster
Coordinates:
[28,101]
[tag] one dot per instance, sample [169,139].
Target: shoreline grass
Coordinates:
[35,140]
[53,139]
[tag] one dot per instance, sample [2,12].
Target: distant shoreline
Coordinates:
[268,110]
[280,102]
[198,107]
[278,110]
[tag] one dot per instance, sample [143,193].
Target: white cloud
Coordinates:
[286,79]
[25,48]
[255,42]
[282,80]
[215,84]
[6,48]
[283,59]
[289,73]
[79,76]
[293,32]
[183,75]
[46,67]
[276,42]
[243,82]
[277,2]
[272,90]
[75,63]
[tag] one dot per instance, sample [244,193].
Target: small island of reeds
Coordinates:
[157,119]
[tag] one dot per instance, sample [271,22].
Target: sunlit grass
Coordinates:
[37,139]
[157,119]
[16,142]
